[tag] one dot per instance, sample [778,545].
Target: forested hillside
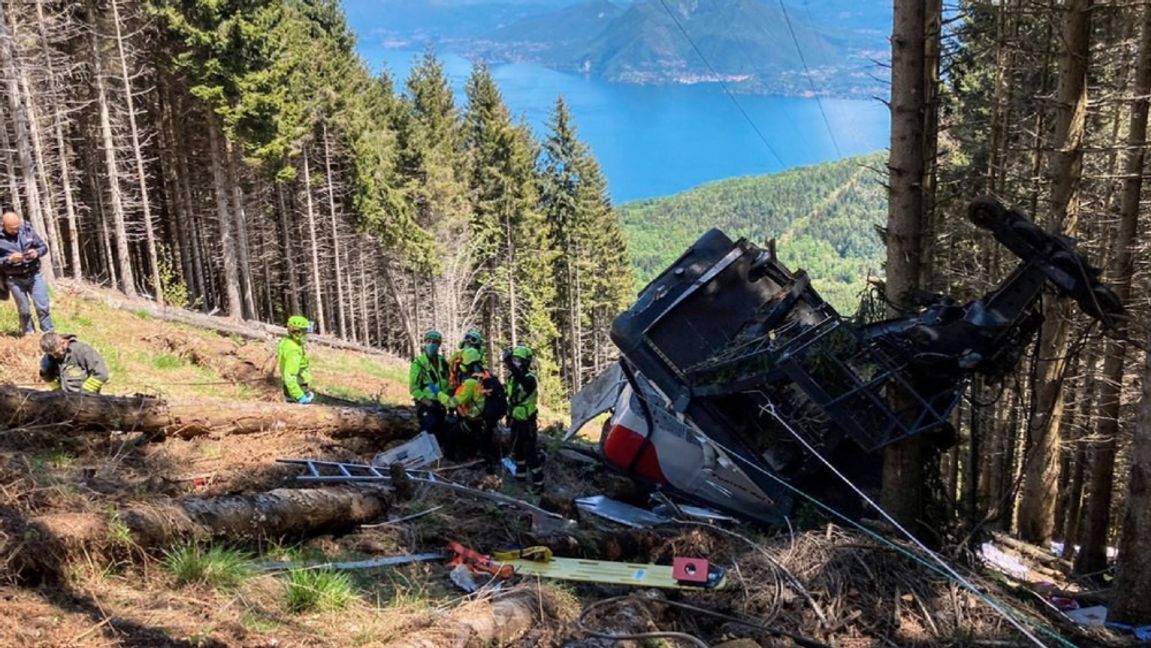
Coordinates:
[238,157]
[823,219]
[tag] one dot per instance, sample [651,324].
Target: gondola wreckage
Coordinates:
[738,388]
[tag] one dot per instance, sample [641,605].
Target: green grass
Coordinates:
[359,364]
[346,393]
[318,590]
[61,459]
[254,622]
[118,533]
[218,567]
[167,361]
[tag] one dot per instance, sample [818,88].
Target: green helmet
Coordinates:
[474,339]
[471,356]
[522,352]
[433,336]
[298,323]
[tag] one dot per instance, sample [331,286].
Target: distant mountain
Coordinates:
[574,25]
[745,43]
[418,22]
[740,39]
[822,217]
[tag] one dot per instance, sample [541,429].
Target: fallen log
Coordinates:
[190,418]
[1034,552]
[277,513]
[499,621]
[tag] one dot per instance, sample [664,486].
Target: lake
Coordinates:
[659,140]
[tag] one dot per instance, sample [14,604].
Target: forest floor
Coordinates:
[832,585]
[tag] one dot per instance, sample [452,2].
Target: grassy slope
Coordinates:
[823,218]
[141,360]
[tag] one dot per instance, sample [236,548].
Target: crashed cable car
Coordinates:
[734,373]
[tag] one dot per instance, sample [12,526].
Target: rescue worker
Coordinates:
[457,374]
[474,431]
[293,361]
[21,250]
[523,397]
[70,365]
[427,381]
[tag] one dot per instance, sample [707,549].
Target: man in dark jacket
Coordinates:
[21,249]
[70,365]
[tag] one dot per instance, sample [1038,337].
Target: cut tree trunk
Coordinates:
[490,622]
[191,418]
[274,514]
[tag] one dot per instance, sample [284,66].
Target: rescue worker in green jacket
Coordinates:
[427,380]
[70,365]
[293,361]
[523,399]
[474,431]
[473,339]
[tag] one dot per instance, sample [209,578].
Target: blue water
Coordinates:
[659,140]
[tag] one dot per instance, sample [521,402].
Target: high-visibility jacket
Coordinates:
[523,395]
[81,370]
[469,398]
[426,372]
[294,371]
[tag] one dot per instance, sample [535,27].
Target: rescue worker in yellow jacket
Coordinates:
[295,373]
[457,374]
[70,365]
[475,428]
[523,400]
[427,381]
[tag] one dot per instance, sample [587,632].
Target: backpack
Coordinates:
[495,398]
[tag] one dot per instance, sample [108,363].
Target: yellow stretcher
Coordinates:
[617,573]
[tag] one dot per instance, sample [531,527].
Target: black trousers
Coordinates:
[525,449]
[477,437]
[433,420]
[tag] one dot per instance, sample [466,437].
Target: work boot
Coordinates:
[537,485]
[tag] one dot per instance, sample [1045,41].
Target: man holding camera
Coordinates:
[21,249]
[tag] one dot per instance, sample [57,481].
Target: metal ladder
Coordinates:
[334,471]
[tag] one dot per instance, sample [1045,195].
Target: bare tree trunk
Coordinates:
[903,470]
[288,253]
[10,165]
[51,227]
[1092,555]
[235,307]
[18,107]
[284,511]
[341,317]
[1040,492]
[65,153]
[317,291]
[123,255]
[241,222]
[363,290]
[138,154]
